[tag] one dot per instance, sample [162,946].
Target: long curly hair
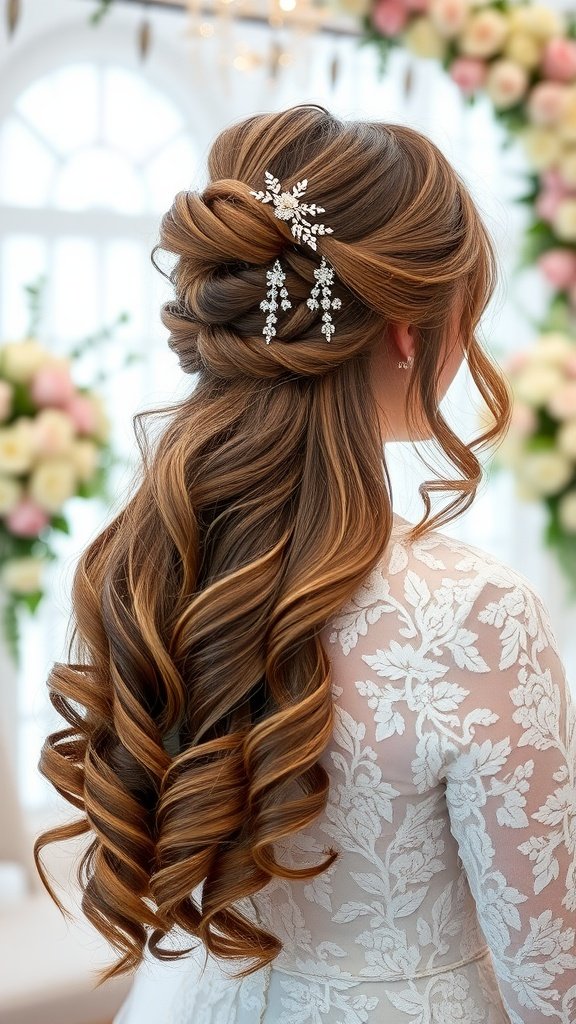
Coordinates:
[197,694]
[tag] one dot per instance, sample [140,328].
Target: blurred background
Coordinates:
[106,110]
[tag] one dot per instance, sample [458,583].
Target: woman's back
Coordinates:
[452,807]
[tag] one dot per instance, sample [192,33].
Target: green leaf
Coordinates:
[11,629]
[32,600]
[59,522]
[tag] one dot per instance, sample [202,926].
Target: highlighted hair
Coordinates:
[197,696]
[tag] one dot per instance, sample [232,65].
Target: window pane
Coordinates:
[172,170]
[75,280]
[63,106]
[26,166]
[137,119]
[23,259]
[99,178]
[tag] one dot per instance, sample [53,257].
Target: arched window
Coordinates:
[91,153]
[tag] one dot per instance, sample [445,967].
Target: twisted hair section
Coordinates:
[197,694]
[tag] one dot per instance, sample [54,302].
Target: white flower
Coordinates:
[543,146]
[53,432]
[85,457]
[506,83]
[566,438]
[52,483]
[16,447]
[537,383]
[19,360]
[423,38]
[485,34]
[10,493]
[564,222]
[545,472]
[22,575]
[567,511]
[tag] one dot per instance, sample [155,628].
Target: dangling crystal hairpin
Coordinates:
[287,206]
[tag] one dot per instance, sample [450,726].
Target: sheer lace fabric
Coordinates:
[452,806]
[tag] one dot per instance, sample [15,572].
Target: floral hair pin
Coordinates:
[288,207]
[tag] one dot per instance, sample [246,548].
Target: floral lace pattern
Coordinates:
[452,806]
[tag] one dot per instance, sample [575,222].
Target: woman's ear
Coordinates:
[402,335]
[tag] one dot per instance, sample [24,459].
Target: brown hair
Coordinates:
[198,694]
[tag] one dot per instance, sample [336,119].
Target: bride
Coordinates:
[325,757]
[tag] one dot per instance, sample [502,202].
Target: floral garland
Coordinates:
[54,446]
[523,56]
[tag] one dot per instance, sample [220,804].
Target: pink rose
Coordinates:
[553,180]
[562,403]
[5,400]
[547,102]
[469,73]
[82,413]
[559,267]
[27,519]
[559,59]
[417,5]
[570,365]
[547,204]
[51,385]
[389,17]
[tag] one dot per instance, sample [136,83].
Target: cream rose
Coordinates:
[567,511]
[506,83]
[553,348]
[543,146]
[567,166]
[523,49]
[52,483]
[423,39]
[19,360]
[538,21]
[10,493]
[485,34]
[22,575]
[567,120]
[566,438]
[53,432]
[16,447]
[449,16]
[103,425]
[85,458]
[562,402]
[564,222]
[536,384]
[545,472]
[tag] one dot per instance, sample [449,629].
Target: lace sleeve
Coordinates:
[511,796]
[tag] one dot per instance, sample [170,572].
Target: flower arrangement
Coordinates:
[54,445]
[540,447]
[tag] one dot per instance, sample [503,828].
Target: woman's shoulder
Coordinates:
[438,555]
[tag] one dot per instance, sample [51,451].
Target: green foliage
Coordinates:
[101,11]
[539,237]
[35,298]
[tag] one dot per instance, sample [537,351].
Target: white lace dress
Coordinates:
[453,806]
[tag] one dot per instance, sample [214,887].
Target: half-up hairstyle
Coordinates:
[197,695]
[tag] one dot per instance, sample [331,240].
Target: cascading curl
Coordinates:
[197,695]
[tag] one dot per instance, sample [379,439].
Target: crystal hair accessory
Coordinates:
[287,207]
[324,281]
[275,279]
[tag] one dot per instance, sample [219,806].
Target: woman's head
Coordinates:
[199,695]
